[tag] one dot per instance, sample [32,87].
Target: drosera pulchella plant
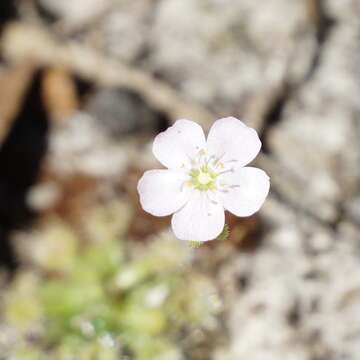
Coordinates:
[204,177]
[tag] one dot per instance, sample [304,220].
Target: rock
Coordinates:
[120,112]
[77,12]
[218,52]
[126,29]
[43,196]
[80,147]
[292,294]
[317,138]
[343,10]
[352,209]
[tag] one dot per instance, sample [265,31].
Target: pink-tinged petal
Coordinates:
[249,191]
[179,143]
[230,139]
[162,191]
[199,220]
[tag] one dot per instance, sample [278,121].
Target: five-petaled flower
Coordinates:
[204,177]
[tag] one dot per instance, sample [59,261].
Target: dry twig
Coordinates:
[22,42]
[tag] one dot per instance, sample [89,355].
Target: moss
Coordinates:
[105,300]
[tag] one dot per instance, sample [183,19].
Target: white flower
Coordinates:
[204,177]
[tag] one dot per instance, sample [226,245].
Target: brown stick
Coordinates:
[21,42]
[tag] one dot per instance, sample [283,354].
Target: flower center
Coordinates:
[206,170]
[204,178]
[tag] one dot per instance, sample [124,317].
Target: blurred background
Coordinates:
[85,86]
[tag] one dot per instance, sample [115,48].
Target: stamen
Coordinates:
[230,161]
[207,194]
[205,170]
[226,171]
[226,187]
[186,183]
[209,159]
[218,159]
[220,165]
[202,152]
[234,186]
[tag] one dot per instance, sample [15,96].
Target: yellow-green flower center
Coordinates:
[203,179]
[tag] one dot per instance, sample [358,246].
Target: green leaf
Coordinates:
[225,233]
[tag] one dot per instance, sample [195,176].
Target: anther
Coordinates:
[218,159]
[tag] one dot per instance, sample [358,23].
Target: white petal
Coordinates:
[231,139]
[162,192]
[178,143]
[199,220]
[252,187]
